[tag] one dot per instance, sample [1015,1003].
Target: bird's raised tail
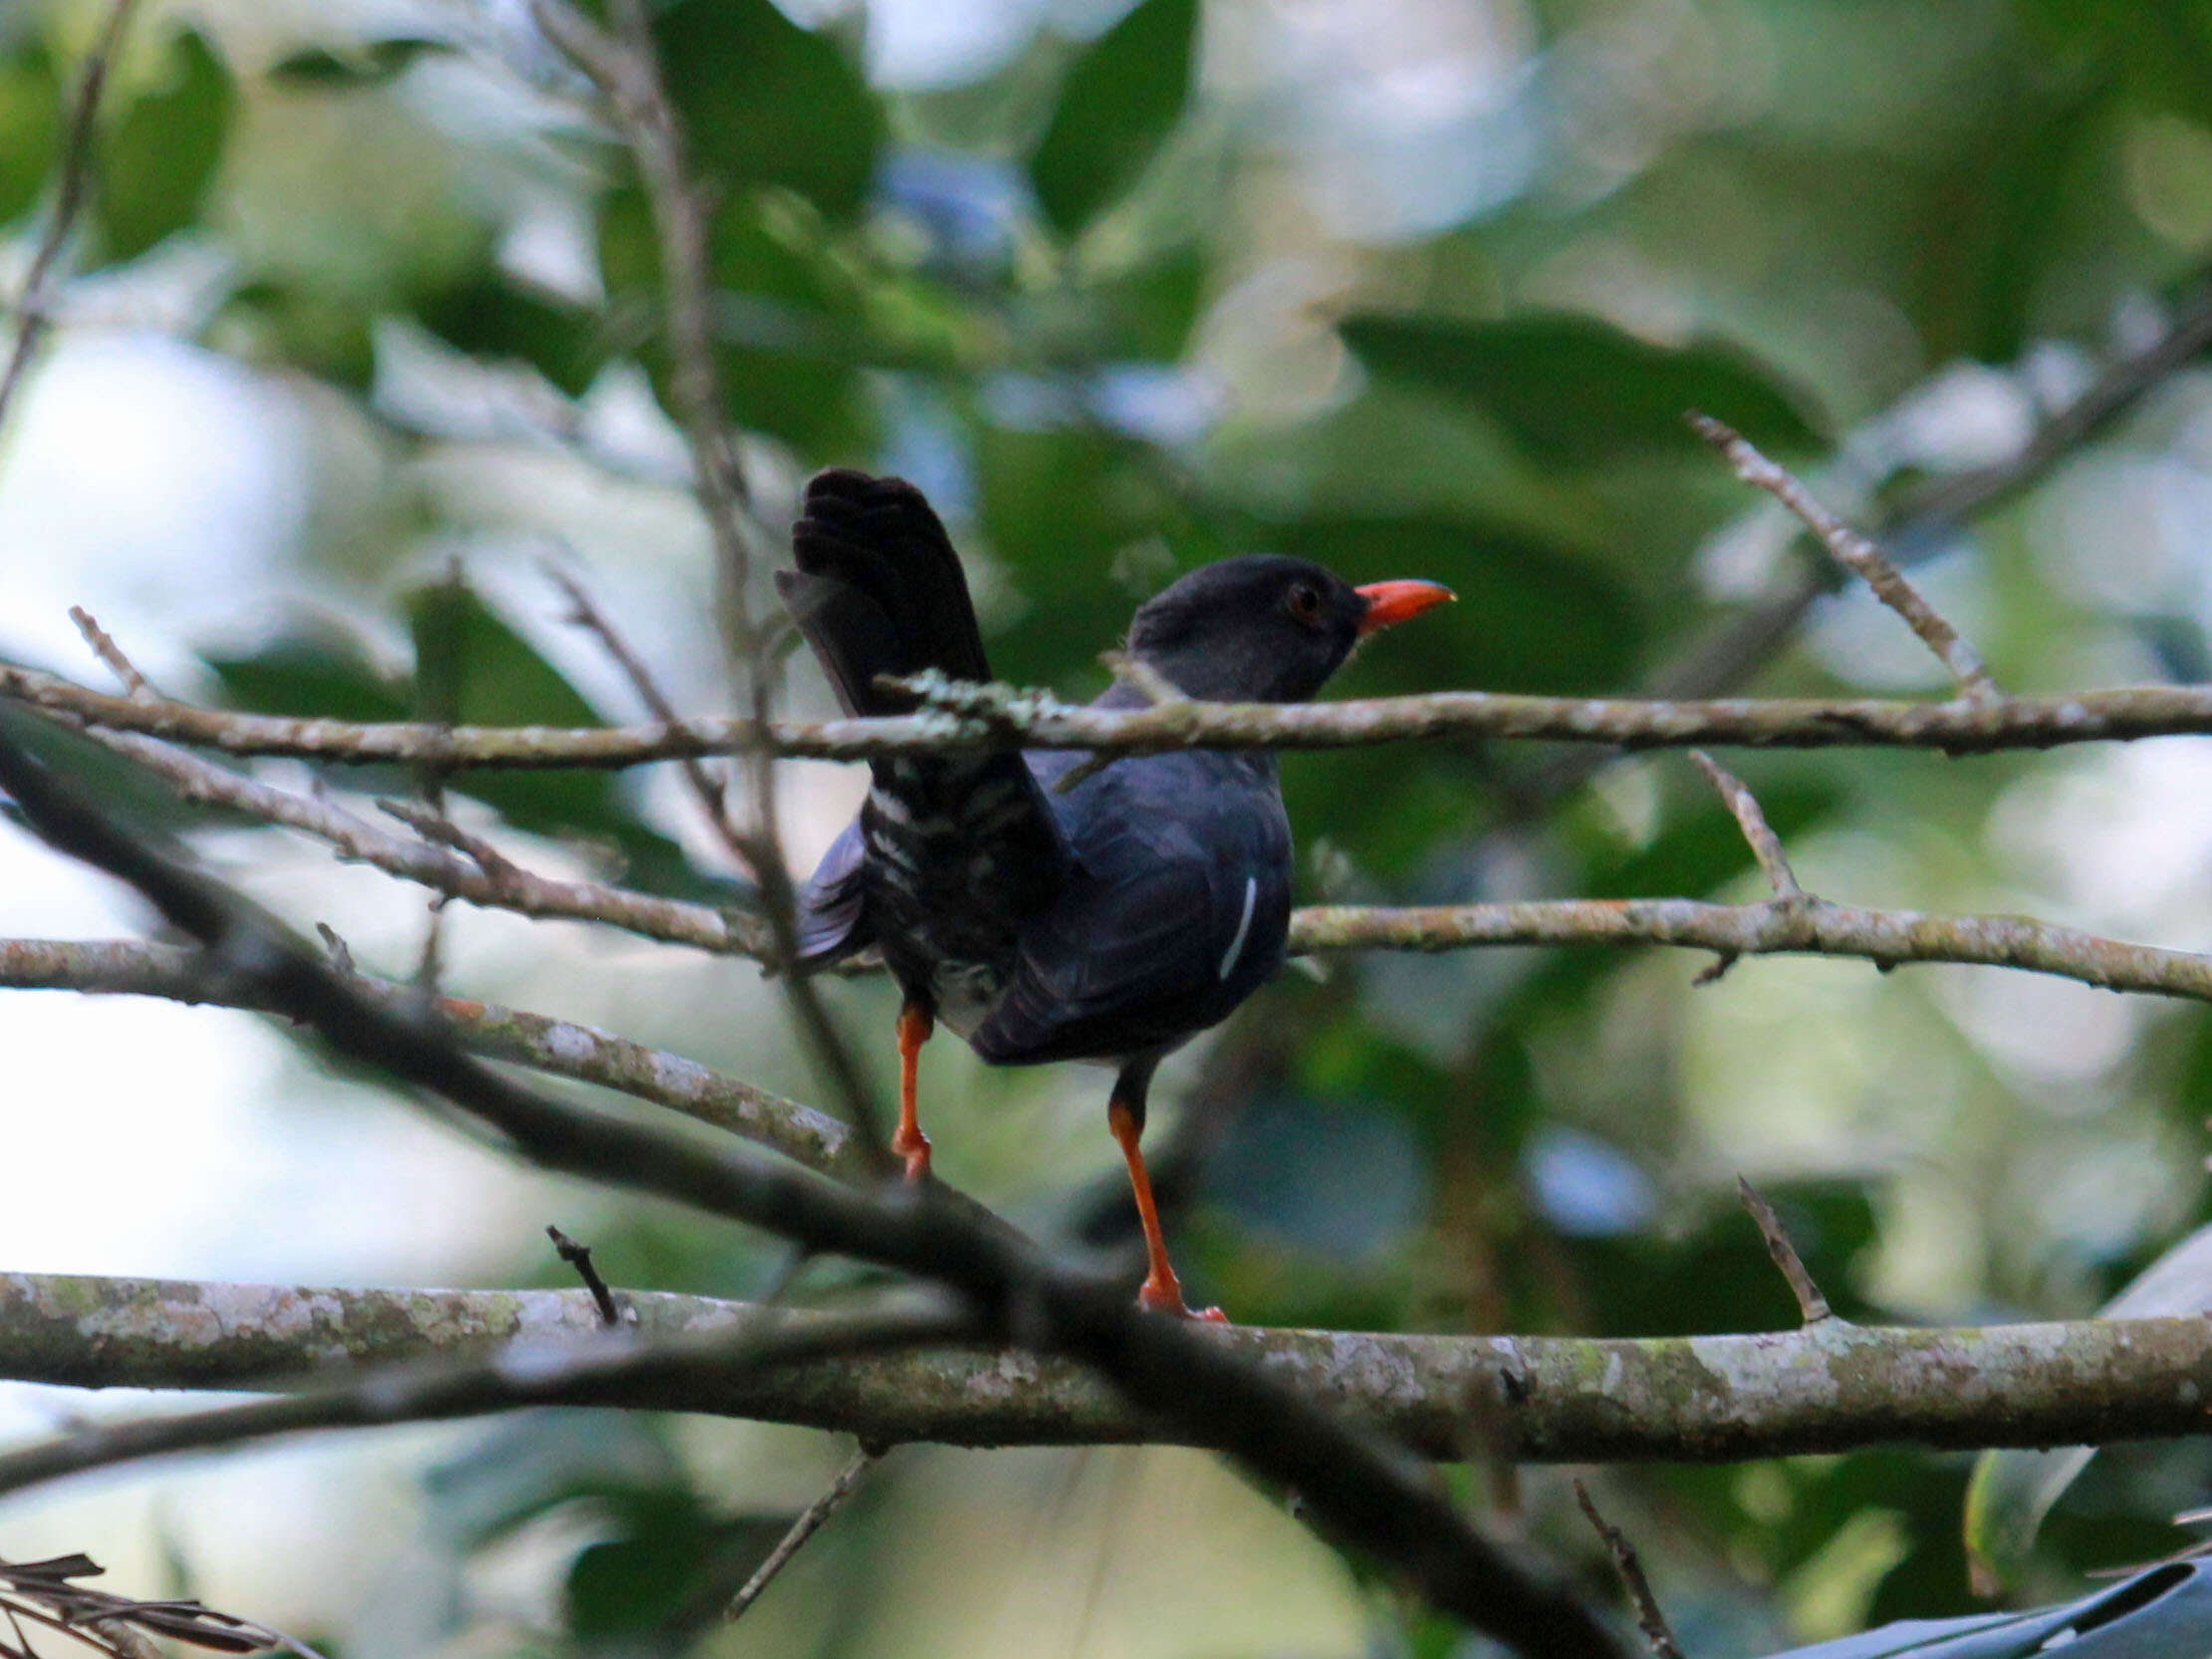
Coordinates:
[879,590]
[954,851]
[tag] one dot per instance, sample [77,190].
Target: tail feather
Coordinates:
[879,590]
[950,852]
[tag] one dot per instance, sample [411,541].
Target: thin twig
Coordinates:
[32,305]
[706,788]
[1855,551]
[436,865]
[1766,846]
[120,1624]
[111,654]
[1649,1620]
[502,871]
[1133,672]
[2118,388]
[437,678]
[579,1256]
[810,1522]
[1812,1306]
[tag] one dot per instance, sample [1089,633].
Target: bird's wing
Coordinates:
[1176,912]
[831,921]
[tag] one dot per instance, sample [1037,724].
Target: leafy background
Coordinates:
[364,329]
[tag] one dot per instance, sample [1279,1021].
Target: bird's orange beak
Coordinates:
[1392,602]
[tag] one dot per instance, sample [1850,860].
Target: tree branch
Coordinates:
[1002,717]
[567,1049]
[562,1047]
[607,1368]
[1825,1387]
[462,869]
[1803,925]
[1792,923]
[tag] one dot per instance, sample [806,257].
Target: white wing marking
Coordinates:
[1244,926]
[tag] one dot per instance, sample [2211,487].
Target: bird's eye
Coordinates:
[1305,601]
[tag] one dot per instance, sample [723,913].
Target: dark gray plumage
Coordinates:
[1110,921]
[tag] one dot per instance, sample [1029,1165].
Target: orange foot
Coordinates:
[917,1154]
[1168,1298]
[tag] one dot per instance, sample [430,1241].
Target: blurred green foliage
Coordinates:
[156,158]
[1112,301]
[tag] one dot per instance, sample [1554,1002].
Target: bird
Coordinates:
[1042,914]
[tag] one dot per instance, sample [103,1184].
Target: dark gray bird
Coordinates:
[1112,921]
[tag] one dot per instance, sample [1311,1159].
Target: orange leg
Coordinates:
[915,1022]
[1161,1292]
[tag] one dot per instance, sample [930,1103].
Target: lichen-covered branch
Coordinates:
[494,882]
[1001,717]
[1802,925]
[607,1367]
[1789,926]
[1827,1387]
[563,1048]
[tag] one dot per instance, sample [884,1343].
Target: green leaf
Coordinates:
[787,330]
[1076,519]
[522,1467]
[156,159]
[1120,102]
[494,319]
[1996,222]
[1150,310]
[1579,391]
[302,326]
[2013,1490]
[472,668]
[367,64]
[314,671]
[765,102]
[492,676]
[30,127]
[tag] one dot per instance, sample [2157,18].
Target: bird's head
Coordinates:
[1266,629]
